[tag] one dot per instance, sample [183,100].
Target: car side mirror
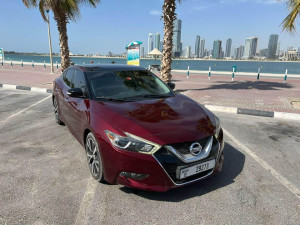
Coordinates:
[75,93]
[171,85]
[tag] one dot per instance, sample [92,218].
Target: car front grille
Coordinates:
[171,163]
[184,148]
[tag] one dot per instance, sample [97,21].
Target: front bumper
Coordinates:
[161,168]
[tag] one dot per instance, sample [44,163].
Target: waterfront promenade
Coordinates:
[269,94]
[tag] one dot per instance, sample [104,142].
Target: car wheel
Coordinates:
[94,158]
[56,112]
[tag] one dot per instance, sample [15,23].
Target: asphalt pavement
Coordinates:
[44,177]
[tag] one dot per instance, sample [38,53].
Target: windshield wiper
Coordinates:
[112,99]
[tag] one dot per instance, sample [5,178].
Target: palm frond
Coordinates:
[71,8]
[42,10]
[92,3]
[288,23]
[30,3]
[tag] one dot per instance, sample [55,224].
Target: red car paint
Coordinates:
[163,121]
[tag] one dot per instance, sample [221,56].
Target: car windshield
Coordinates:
[127,85]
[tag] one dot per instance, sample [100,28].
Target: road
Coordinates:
[44,177]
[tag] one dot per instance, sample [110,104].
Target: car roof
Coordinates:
[106,67]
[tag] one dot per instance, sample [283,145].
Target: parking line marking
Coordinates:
[86,202]
[23,110]
[265,165]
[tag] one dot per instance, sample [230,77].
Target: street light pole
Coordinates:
[49,36]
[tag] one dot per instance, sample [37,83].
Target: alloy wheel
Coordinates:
[56,110]
[94,158]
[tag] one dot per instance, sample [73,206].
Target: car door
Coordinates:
[77,107]
[67,79]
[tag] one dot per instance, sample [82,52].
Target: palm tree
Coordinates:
[169,16]
[64,11]
[288,23]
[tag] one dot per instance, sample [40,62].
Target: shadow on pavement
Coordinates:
[233,166]
[243,85]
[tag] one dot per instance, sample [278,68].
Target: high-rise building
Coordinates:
[250,47]
[238,52]
[188,52]
[157,41]
[150,42]
[202,45]
[197,47]
[272,47]
[181,49]
[247,52]
[217,49]
[228,47]
[161,46]
[206,53]
[142,52]
[242,51]
[222,54]
[278,49]
[177,38]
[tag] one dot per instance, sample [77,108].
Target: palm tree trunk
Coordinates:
[61,21]
[169,8]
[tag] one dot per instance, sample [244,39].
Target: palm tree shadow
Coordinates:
[233,166]
[243,85]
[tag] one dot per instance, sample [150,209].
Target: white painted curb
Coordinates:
[9,86]
[40,90]
[221,109]
[289,116]
[34,89]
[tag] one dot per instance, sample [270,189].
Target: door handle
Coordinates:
[56,88]
[66,99]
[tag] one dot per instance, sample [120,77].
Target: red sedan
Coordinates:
[135,130]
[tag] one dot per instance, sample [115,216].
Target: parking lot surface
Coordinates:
[44,177]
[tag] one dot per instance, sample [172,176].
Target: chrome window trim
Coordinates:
[188,158]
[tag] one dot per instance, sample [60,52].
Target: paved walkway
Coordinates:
[37,77]
[269,94]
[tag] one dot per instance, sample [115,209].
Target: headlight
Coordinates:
[132,143]
[218,126]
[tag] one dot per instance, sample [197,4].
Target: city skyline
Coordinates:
[93,33]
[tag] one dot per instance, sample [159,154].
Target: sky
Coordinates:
[115,23]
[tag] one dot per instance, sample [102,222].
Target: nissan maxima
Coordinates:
[135,130]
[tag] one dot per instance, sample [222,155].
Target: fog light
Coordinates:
[136,176]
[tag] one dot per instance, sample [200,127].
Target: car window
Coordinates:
[68,78]
[79,81]
[126,84]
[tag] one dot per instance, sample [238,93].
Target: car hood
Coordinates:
[164,121]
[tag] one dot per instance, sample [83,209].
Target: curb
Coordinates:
[25,88]
[215,108]
[277,115]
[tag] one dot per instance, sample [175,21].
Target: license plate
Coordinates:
[198,168]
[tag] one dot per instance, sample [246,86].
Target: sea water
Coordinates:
[216,65]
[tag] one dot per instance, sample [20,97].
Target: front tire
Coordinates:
[94,157]
[56,112]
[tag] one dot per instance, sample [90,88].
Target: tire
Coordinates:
[56,112]
[94,159]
